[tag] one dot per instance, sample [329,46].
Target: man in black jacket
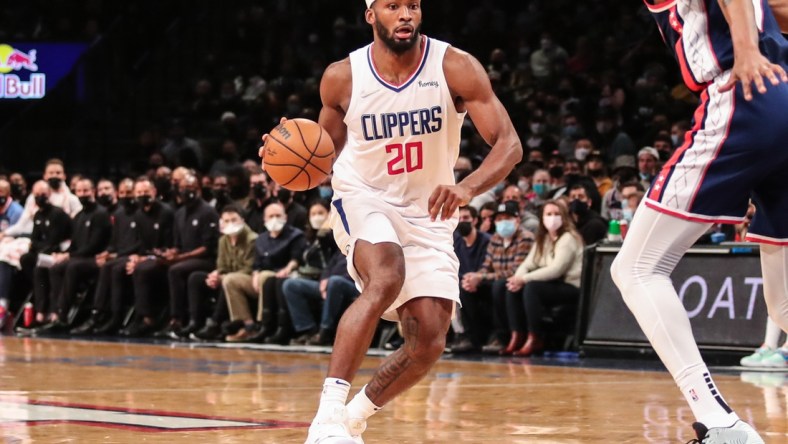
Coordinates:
[589,223]
[91,231]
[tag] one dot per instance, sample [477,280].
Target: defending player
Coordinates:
[736,147]
[395,107]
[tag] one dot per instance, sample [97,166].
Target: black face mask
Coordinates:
[16,190]
[578,207]
[3,201]
[284,195]
[464,228]
[188,197]
[54,183]
[259,191]
[42,200]
[163,186]
[128,203]
[221,195]
[207,194]
[105,200]
[86,202]
[596,173]
[144,201]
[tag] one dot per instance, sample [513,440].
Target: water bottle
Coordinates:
[623,227]
[28,315]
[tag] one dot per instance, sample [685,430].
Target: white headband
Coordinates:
[369,3]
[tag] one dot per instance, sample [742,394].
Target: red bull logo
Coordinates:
[12,61]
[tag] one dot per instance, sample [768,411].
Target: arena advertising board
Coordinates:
[29,70]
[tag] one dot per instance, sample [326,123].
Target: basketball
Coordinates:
[298,154]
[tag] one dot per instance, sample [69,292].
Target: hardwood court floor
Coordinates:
[68,391]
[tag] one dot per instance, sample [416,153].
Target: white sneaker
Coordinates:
[357,426]
[757,359]
[331,428]
[739,433]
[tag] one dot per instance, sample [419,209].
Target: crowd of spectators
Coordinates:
[595,99]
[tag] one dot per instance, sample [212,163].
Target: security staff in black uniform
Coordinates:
[154,221]
[91,231]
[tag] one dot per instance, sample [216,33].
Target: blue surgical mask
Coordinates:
[325,192]
[505,228]
[540,189]
[499,188]
[627,214]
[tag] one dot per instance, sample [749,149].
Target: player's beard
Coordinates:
[398,46]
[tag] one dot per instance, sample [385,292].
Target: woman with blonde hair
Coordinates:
[549,276]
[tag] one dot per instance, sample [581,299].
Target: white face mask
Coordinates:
[317,221]
[231,229]
[275,224]
[581,153]
[552,222]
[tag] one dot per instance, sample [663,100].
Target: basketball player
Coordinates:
[395,108]
[737,147]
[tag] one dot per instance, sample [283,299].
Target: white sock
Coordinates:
[772,334]
[335,393]
[704,398]
[360,406]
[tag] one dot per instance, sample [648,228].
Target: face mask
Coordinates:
[578,207]
[645,176]
[464,228]
[275,225]
[581,153]
[105,200]
[505,228]
[523,185]
[128,203]
[188,197]
[675,138]
[570,131]
[144,201]
[232,229]
[16,189]
[86,201]
[3,201]
[284,195]
[42,200]
[259,191]
[595,173]
[54,183]
[540,189]
[627,214]
[498,188]
[553,222]
[325,192]
[207,194]
[536,128]
[221,195]
[602,128]
[317,221]
[163,186]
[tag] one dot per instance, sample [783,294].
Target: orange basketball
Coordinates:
[298,154]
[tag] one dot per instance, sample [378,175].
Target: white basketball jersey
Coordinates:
[402,140]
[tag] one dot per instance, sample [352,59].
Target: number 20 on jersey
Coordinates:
[407,158]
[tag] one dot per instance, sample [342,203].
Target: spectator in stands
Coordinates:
[228,159]
[235,255]
[486,213]
[51,227]
[72,184]
[583,148]
[541,186]
[296,213]
[514,193]
[549,57]
[107,195]
[663,145]
[162,179]
[194,249]
[610,137]
[549,276]
[90,235]
[111,264]
[647,165]
[596,170]
[10,209]
[624,173]
[181,150]
[259,194]
[18,187]
[589,223]
[470,246]
[276,255]
[154,221]
[220,191]
[507,249]
[321,267]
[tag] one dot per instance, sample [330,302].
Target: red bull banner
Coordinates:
[29,70]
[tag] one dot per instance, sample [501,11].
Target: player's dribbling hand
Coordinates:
[261,151]
[751,67]
[445,200]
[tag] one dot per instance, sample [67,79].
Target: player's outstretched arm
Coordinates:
[749,66]
[335,88]
[471,90]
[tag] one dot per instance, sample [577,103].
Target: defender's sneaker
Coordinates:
[739,433]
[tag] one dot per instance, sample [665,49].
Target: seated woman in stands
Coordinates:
[549,276]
